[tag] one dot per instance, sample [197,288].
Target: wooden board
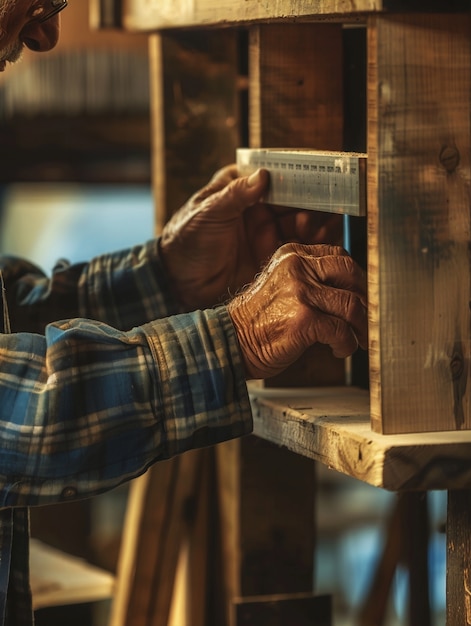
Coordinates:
[296,101]
[419,85]
[194,113]
[157,523]
[159,14]
[458,574]
[58,578]
[267,521]
[295,91]
[164,14]
[332,425]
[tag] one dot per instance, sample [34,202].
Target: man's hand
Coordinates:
[305,295]
[220,239]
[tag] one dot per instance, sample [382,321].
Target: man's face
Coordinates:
[18,28]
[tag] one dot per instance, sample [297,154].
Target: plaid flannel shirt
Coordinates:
[86,405]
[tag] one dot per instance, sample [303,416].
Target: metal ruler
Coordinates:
[309,179]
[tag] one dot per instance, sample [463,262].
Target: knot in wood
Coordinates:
[456,366]
[449,158]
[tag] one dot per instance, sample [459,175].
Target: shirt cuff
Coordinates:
[200,379]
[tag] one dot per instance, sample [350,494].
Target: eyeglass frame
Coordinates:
[56,7]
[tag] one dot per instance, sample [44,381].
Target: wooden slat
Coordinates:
[201,546]
[267,520]
[194,113]
[160,14]
[332,425]
[458,569]
[154,531]
[296,101]
[58,578]
[267,494]
[406,545]
[419,87]
[295,92]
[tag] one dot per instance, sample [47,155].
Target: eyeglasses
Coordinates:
[50,8]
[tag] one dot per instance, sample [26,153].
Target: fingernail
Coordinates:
[253,179]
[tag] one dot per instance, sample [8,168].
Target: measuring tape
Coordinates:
[306,179]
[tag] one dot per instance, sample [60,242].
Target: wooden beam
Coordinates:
[267,520]
[458,567]
[156,525]
[296,101]
[419,85]
[194,113]
[295,87]
[162,14]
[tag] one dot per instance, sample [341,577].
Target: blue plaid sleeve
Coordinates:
[124,289]
[86,406]
[127,288]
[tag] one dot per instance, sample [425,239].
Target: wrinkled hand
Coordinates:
[220,239]
[305,295]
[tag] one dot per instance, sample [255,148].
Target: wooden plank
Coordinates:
[295,87]
[201,546]
[406,545]
[296,101]
[267,520]
[302,609]
[161,14]
[58,578]
[419,81]
[458,570]
[155,526]
[332,425]
[194,113]
[373,609]
[136,562]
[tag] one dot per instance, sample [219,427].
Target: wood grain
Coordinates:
[267,520]
[194,113]
[161,14]
[296,101]
[296,98]
[156,524]
[419,81]
[332,425]
[458,574]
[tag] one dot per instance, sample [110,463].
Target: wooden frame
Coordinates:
[418,152]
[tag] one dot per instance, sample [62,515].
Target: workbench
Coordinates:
[393,79]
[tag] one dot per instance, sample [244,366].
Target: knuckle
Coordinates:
[354,307]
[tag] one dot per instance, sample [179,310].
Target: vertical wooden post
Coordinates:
[194,113]
[419,85]
[458,570]
[267,520]
[296,101]
[159,519]
[267,493]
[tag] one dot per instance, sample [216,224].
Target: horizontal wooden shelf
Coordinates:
[332,425]
[157,15]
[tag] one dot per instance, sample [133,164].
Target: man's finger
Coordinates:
[239,194]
